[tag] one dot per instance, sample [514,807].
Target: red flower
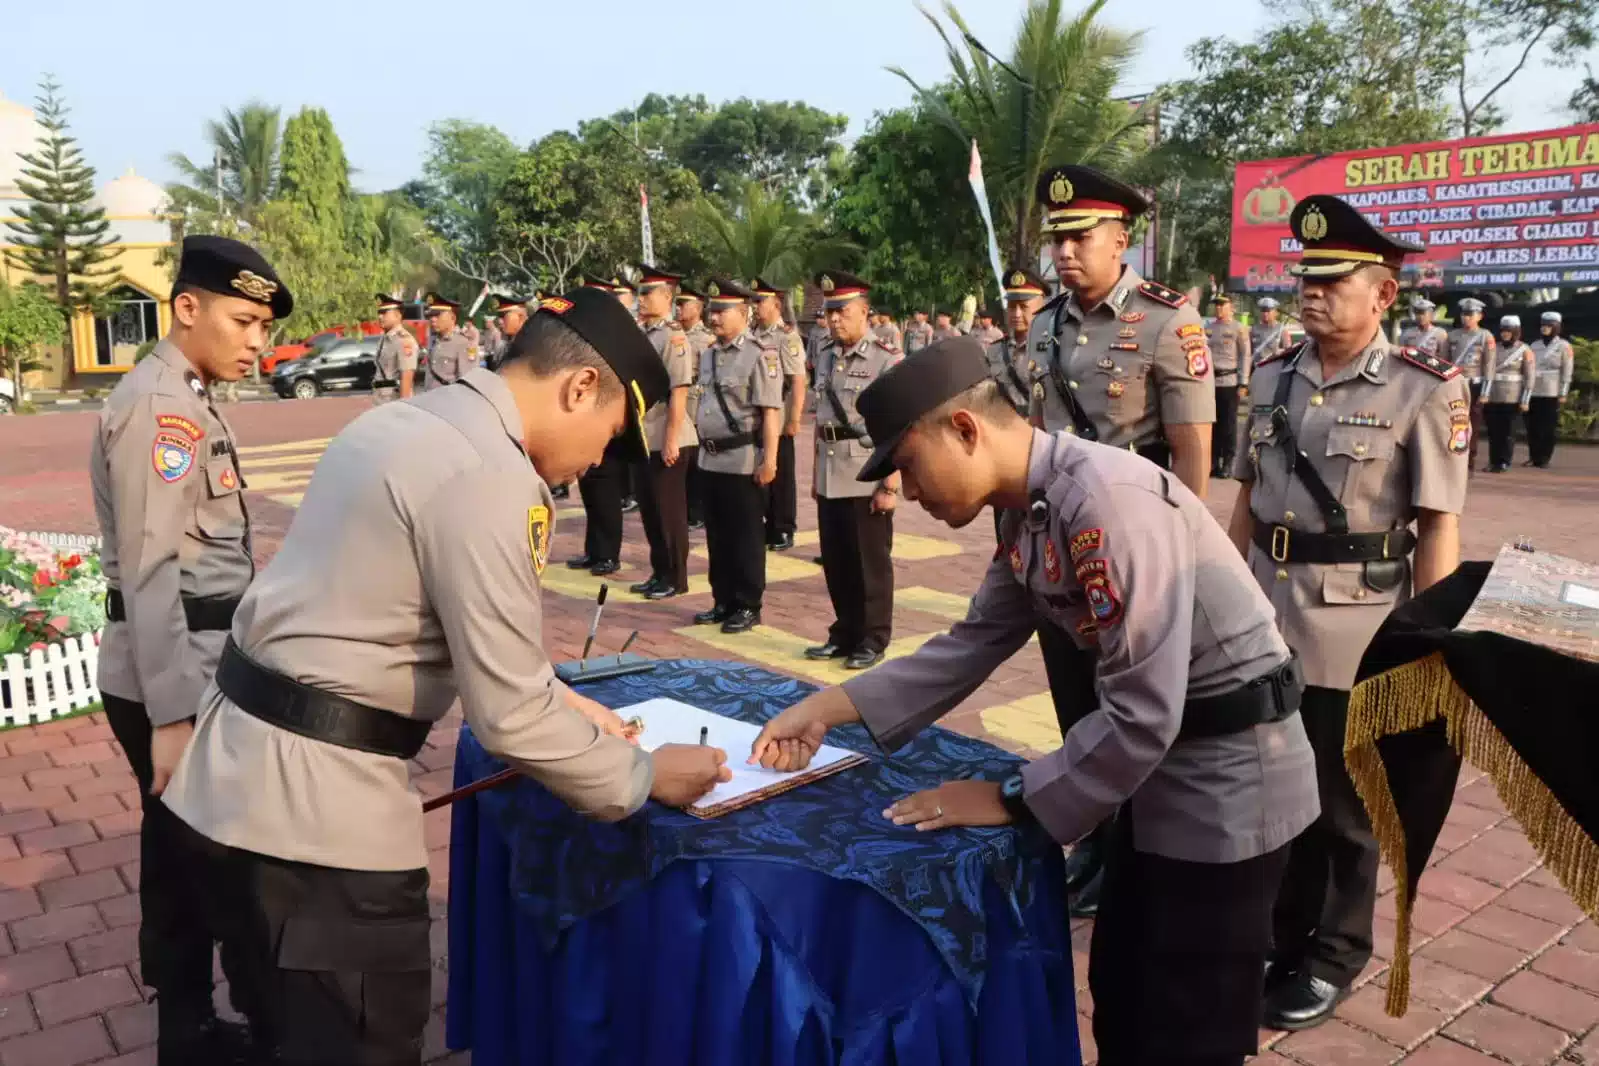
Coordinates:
[37,645]
[72,561]
[42,579]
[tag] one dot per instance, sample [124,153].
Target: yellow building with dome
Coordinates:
[136,207]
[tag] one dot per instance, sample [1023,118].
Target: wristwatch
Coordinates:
[1010,794]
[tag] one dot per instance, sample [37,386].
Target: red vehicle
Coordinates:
[320,342]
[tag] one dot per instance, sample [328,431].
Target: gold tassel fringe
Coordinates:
[1408,697]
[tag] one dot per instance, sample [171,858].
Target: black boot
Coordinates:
[192,1035]
[1299,1001]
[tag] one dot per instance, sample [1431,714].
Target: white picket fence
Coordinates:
[59,678]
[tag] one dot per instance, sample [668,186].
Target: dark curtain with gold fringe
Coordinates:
[1526,715]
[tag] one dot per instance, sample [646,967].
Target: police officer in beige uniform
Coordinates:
[661,479]
[397,354]
[450,355]
[511,311]
[1189,735]
[1008,360]
[1553,362]
[855,519]
[175,546]
[944,327]
[602,487]
[986,332]
[296,782]
[1506,390]
[782,504]
[1425,336]
[690,316]
[1270,335]
[739,422]
[1351,442]
[1229,348]
[918,332]
[1122,361]
[1471,348]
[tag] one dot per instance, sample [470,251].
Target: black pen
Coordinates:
[705,734]
[594,626]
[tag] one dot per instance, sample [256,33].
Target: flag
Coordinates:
[481,296]
[975,176]
[644,226]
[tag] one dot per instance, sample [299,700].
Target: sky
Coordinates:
[142,83]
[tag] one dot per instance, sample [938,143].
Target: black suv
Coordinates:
[348,366]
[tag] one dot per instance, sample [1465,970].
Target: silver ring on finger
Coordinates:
[938,812]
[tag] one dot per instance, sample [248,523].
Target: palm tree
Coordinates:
[766,236]
[1049,103]
[245,145]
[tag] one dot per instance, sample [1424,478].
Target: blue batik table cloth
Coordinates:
[801,931]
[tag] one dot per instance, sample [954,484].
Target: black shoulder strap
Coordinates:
[1332,512]
[733,427]
[1080,420]
[838,405]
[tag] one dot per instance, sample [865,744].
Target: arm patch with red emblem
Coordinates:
[181,424]
[1089,540]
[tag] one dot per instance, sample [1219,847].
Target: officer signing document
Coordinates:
[1195,744]
[409,578]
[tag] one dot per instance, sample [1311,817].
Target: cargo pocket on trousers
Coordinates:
[356,990]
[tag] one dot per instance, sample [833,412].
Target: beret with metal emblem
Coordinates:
[437,303]
[685,291]
[232,268]
[725,292]
[608,328]
[1471,306]
[1022,284]
[1267,304]
[1337,239]
[915,385]
[1079,198]
[649,277]
[503,304]
[387,302]
[839,288]
[765,288]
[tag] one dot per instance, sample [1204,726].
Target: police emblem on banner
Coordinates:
[172,456]
[538,536]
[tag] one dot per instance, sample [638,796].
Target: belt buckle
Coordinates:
[830,434]
[709,446]
[1385,554]
[1279,544]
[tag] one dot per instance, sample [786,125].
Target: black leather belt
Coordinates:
[834,434]
[204,613]
[311,712]
[727,444]
[1270,697]
[1286,545]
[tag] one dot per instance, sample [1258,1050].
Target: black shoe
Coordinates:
[664,591]
[1542,464]
[644,588]
[1301,1001]
[741,621]
[208,1042]
[714,617]
[863,659]
[1528,462]
[826,651]
[629,505]
[817,560]
[580,562]
[560,492]
[780,543]
[1084,902]
[696,524]
[604,567]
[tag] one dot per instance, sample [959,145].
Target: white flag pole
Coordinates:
[644,226]
[975,176]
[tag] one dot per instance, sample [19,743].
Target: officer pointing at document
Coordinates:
[296,782]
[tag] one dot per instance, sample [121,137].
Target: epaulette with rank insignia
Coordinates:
[888,346]
[1281,355]
[1053,300]
[1161,294]
[1442,368]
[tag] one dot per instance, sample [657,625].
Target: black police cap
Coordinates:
[839,288]
[1336,239]
[905,392]
[388,303]
[503,304]
[437,303]
[607,327]
[1023,284]
[725,292]
[1077,198]
[685,291]
[761,287]
[649,276]
[232,268]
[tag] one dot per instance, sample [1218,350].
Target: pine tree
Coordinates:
[61,235]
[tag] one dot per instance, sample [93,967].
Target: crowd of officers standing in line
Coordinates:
[1352,477]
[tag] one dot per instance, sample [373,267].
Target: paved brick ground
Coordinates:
[1508,969]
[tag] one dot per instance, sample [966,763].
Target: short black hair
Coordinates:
[546,346]
[984,399]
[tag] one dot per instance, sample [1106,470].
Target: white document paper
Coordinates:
[671,722]
[1580,595]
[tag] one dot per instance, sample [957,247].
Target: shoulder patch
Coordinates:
[1433,365]
[538,536]
[1161,294]
[181,424]
[1280,354]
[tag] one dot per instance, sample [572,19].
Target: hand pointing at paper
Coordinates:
[789,741]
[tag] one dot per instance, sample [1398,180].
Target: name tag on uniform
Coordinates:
[221,447]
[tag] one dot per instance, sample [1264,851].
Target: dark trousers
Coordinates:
[694,489]
[857,561]
[1476,425]
[782,505]
[1177,957]
[174,946]
[1071,673]
[663,508]
[734,535]
[601,489]
[1543,417]
[334,964]
[1322,921]
[1224,437]
[1501,422]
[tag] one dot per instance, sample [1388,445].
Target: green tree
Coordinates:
[1050,102]
[28,319]
[770,238]
[60,234]
[314,172]
[1584,103]
[245,148]
[463,174]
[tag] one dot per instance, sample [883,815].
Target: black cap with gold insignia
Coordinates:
[839,288]
[1337,239]
[905,392]
[597,284]
[1220,298]
[650,277]
[437,303]
[232,268]
[619,285]
[388,303]
[610,330]
[685,292]
[725,292]
[763,289]
[1079,198]
[503,304]
[1022,285]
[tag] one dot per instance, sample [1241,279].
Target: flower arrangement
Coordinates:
[46,594]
